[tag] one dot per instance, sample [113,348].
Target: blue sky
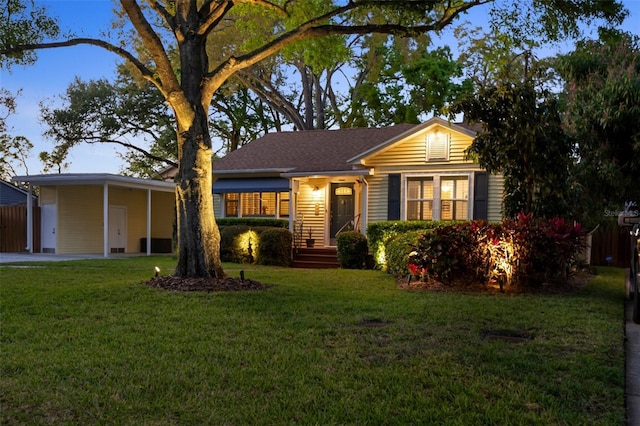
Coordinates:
[56,69]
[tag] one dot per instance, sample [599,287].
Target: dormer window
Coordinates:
[438,146]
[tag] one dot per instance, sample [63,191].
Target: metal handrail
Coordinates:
[354,222]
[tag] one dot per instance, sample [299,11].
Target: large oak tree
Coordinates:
[189,85]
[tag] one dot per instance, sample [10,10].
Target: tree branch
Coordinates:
[316,27]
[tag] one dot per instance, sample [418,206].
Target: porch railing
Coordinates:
[350,225]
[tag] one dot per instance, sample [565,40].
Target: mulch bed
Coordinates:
[170,282]
[575,283]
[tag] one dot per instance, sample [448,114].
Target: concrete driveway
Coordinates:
[45,257]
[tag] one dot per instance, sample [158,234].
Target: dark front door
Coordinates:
[342,208]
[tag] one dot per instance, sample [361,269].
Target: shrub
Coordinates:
[275,247]
[253,222]
[241,243]
[523,252]
[397,251]
[379,233]
[352,250]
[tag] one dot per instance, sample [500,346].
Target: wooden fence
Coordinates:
[611,246]
[13,229]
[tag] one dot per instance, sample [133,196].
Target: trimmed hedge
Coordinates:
[352,250]
[275,247]
[379,233]
[253,222]
[398,248]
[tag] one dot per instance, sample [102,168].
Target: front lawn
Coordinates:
[85,343]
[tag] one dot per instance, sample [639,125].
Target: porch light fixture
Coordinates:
[316,192]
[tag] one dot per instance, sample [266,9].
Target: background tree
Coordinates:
[603,114]
[14,150]
[128,113]
[524,140]
[188,87]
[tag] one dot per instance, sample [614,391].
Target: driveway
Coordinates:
[45,257]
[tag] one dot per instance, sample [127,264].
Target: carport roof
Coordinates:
[95,179]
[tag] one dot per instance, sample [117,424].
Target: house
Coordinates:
[11,194]
[97,213]
[326,181]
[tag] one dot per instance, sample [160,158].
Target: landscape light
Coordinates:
[157,271]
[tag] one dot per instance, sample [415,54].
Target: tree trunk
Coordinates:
[198,234]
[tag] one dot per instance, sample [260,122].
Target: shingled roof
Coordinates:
[307,151]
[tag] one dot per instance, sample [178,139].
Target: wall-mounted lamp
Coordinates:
[316,192]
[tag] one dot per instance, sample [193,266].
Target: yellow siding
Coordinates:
[218,201]
[47,195]
[80,217]
[496,194]
[412,151]
[162,214]
[377,198]
[307,208]
[135,201]
[80,227]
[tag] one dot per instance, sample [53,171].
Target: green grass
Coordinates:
[84,342]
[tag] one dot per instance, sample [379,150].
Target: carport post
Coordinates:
[105,219]
[148,222]
[29,219]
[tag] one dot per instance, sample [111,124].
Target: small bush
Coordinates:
[397,250]
[379,233]
[240,244]
[275,247]
[352,250]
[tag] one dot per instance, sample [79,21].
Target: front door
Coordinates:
[342,209]
[117,229]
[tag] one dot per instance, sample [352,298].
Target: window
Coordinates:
[420,198]
[231,205]
[437,197]
[454,196]
[259,204]
[283,198]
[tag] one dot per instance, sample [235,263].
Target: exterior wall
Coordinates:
[135,201]
[412,151]
[48,195]
[80,227]
[218,203]
[163,214]
[306,208]
[409,156]
[80,217]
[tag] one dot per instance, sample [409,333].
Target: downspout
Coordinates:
[105,219]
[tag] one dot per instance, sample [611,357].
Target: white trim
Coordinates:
[148,222]
[96,179]
[105,219]
[29,220]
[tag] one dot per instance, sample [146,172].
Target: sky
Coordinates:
[55,69]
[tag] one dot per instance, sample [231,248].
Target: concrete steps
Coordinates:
[316,258]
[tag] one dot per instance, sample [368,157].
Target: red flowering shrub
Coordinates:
[526,251]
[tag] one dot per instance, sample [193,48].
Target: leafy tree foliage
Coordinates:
[603,114]
[128,113]
[14,150]
[524,140]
